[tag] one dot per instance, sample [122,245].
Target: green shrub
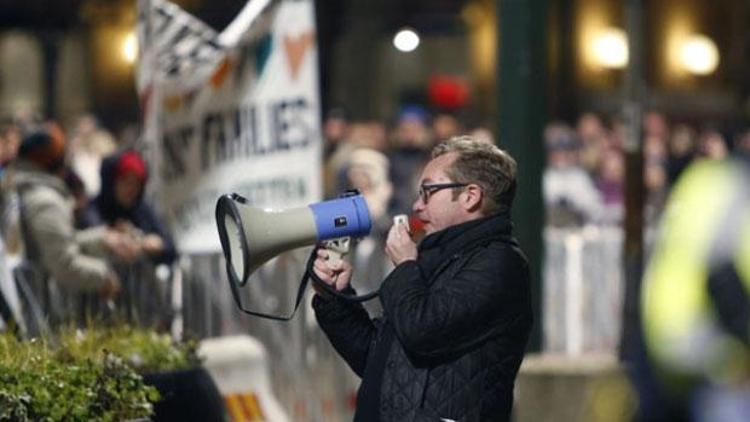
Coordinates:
[91,375]
[145,350]
[35,385]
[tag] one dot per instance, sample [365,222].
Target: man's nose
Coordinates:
[418,205]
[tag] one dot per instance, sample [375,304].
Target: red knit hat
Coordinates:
[131,163]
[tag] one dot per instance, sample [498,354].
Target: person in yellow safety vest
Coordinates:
[695,307]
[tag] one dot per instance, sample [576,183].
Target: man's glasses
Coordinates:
[425,191]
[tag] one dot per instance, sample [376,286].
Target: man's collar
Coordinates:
[459,236]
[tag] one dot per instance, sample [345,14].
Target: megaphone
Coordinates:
[252,236]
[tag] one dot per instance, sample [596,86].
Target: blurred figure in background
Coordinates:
[592,135]
[335,131]
[368,173]
[80,198]
[445,126]
[712,145]
[695,302]
[410,150]
[655,182]
[570,197]
[366,134]
[655,125]
[120,205]
[682,146]
[742,142]
[10,139]
[483,134]
[89,144]
[610,181]
[75,260]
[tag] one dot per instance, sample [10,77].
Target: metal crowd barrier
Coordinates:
[148,298]
[583,289]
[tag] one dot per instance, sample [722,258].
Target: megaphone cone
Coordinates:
[251,236]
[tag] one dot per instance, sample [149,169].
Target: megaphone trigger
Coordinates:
[337,249]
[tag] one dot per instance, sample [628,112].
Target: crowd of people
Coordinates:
[77,235]
[584,179]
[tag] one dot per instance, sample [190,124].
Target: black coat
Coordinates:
[454,328]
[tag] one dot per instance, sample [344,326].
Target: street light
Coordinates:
[610,48]
[130,48]
[699,55]
[406,40]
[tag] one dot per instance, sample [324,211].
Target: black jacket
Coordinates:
[454,328]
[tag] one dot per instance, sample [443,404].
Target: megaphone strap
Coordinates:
[309,274]
[236,294]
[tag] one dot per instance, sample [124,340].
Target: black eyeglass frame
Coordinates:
[427,190]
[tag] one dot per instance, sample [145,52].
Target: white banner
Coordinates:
[231,112]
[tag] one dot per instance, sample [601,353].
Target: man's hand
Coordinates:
[398,246]
[336,274]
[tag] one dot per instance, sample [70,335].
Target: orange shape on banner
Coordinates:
[295,48]
[221,73]
[172,103]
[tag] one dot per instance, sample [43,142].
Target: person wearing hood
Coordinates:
[120,205]
[77,260]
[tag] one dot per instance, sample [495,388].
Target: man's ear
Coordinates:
[472,197]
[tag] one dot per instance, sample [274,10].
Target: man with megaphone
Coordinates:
[456,307]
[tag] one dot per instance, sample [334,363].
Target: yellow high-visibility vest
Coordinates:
[706,222]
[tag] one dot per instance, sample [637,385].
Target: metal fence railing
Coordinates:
[582,290]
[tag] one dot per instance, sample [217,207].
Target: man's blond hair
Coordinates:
[484,164]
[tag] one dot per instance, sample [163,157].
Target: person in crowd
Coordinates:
[78,261]
[655,125]
[570,197]
[682,146]
[367,172]
[712,145]
[593,140]
[742,142]
[10,139]
[78,191]
[360,135]
[410,150]
[456,308]
[610,182]
[335,131]
[89,144]
[655,183]
[120,205]
[446,126]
